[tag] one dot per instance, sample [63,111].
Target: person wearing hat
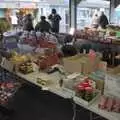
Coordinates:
[55,21]
[43,25]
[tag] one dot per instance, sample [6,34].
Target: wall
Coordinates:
[2,13]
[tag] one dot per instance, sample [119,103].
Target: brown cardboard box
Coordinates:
[81,63]
[71,65]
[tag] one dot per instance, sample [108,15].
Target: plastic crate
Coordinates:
[112,85]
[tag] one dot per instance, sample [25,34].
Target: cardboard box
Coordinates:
[81,63]
[81,101]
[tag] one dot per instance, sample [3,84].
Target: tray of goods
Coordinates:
[13,62]
[7,91]
[109,103]
[86,92]
[45,62]
[69,82]
[44,81]
[72,80]
[26,67]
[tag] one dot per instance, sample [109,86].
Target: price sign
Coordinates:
[7,65]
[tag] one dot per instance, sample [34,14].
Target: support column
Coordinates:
[112,10]
[73,13]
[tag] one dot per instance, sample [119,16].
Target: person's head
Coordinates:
[29,15]
[102,13]
[54,11]
[43,18]
[96,15]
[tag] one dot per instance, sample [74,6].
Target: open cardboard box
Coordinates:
[81,101]
[81,63]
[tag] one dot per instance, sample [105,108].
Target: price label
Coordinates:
[7,65]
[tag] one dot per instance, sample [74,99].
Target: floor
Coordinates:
[30,103]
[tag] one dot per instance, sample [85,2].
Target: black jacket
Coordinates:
[43,26]
[103,21]
[55,20]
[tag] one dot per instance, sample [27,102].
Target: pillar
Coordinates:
[112,11]
[73,13]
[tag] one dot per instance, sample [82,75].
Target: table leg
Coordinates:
[91,115]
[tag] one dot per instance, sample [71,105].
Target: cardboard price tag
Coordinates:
[8,65]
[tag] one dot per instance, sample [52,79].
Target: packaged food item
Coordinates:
[116,106]
[103,102]
[111,104]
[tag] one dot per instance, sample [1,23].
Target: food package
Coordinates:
[81,63]
[72,64]
[47,61]
[116,106]
[26,67]
[47,44]
[103,102]
[109,103]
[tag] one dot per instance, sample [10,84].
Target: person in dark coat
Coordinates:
[43,25]
[103,22]
[28,23]
[55,21]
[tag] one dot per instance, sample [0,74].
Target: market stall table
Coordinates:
[56,89]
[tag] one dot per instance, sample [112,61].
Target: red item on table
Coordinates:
[47,44]
[49,61]
[26,41]
[79,87]
[116,106]
[109,104]
[10,85]
[89,89]
[103,102]
[86,84]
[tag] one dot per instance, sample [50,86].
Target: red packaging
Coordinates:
[10,85]
[89,89]
[116,106]
[110,104]
[86,84]
[47,44]
[103,102]
[49,61]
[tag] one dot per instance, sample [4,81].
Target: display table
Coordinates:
[56,89]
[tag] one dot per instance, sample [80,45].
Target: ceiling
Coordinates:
[116,2]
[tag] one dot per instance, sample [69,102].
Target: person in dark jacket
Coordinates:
[55,20]
[43,25]
[103,21]
[28,23]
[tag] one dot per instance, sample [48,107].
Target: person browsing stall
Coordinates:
[28,23]
[103,22]
[43,25]
[95,21]
[55,21]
